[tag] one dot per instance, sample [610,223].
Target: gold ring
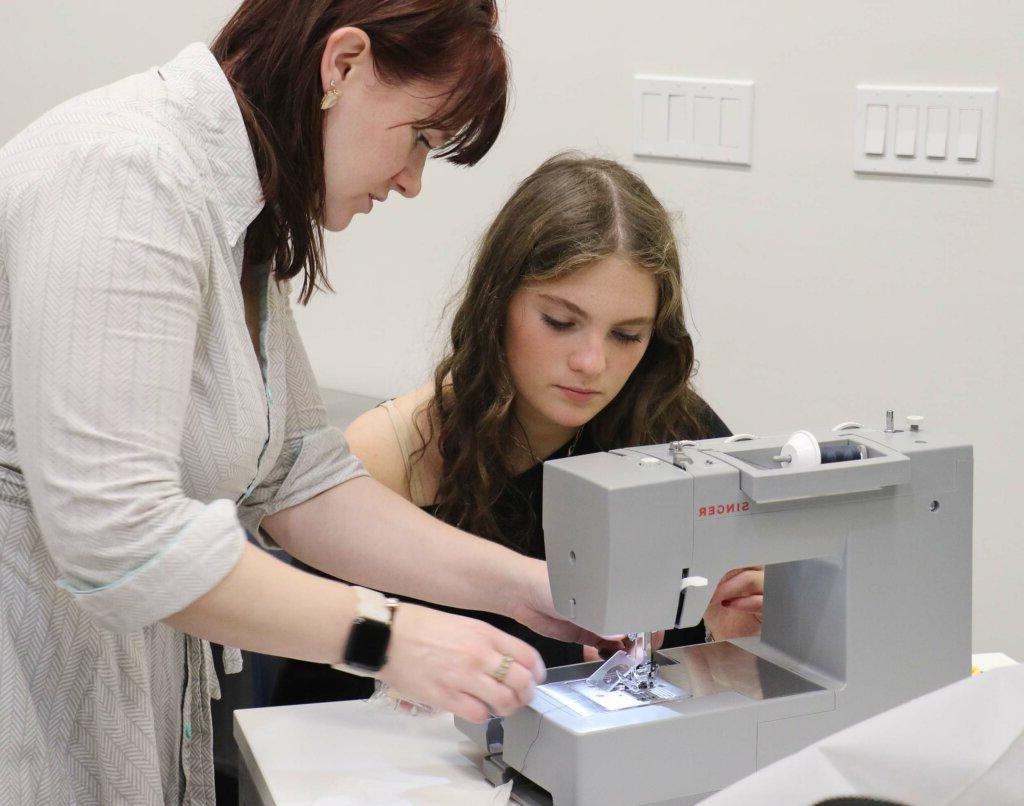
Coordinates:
[501,672]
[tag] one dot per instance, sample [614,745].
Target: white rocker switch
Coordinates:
[938,133]
[970,133]
[874,130]
[906,131]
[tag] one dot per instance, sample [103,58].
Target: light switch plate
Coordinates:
[929,131]
[708,120]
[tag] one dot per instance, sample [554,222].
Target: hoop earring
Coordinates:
[330,97]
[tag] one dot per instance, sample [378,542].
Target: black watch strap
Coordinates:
[366,650]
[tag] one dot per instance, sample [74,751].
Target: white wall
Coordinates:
[816,295]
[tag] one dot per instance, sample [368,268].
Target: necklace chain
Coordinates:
[526,448]
[575,440]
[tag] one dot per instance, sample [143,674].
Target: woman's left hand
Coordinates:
[737,606]
[612,645]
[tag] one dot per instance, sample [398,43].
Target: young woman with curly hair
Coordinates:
[569,338]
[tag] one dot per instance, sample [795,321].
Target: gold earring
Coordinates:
[330,97]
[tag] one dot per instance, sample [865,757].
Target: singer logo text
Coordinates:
[731,508]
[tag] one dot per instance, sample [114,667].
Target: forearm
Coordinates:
[265,605]
[362,532]
[443,660]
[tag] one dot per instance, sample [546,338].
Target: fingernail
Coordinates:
[540,674]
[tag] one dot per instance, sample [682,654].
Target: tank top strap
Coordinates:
[404,434]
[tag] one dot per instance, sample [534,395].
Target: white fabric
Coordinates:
[962,745]
[138,430]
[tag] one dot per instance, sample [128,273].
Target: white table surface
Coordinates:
[358,753]
[337,753]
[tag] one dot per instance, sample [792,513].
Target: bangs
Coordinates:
[475,108]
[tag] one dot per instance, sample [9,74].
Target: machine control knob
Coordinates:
[914,421]
[677,449]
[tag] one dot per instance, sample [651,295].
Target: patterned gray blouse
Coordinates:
[140,436]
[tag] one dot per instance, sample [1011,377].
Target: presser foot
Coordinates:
[625,672]
[641,680]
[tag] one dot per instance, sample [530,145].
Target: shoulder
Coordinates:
[416,408]
[85,192]
[84,162]
[372,438]
[126,127]
[387,442]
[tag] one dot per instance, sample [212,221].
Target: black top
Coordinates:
[518,513]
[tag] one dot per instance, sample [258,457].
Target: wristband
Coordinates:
[366,649]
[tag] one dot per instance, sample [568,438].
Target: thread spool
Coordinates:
[840,453]
[803,451]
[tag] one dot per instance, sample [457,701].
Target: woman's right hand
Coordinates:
[448,662]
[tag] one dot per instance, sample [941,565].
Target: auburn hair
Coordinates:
[271,50]
[571,212]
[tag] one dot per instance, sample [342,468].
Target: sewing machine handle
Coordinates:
[883,467]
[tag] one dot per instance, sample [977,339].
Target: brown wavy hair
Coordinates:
[571,212]
[270,51]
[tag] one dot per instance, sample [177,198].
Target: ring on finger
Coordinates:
[501,672]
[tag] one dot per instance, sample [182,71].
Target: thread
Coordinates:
[839,453]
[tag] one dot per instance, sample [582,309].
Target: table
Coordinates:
[356,753]
[343,753]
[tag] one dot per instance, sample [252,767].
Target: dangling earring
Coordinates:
[330,97]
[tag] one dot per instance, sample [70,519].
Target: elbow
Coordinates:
[125,596]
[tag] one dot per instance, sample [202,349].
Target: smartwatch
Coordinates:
[367,648]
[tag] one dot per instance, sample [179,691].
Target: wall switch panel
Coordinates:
[707,120]
[925,131]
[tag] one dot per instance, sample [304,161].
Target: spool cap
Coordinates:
[802,449]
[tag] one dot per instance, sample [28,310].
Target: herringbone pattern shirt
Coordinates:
[140,435]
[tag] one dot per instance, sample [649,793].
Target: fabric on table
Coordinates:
[961,745]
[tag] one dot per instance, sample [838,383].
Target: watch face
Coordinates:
[367,644]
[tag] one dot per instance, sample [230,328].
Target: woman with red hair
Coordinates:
[156,404]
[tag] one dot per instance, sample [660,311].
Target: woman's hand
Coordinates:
[529,602]
[612,645]
[737,605]
[735,609]
[448,662]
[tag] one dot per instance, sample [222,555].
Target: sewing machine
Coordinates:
[867,604]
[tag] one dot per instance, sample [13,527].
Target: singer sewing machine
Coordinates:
[865,536]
